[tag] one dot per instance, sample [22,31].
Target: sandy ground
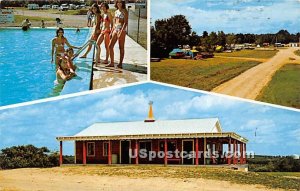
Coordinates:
[250,83]
[57,179]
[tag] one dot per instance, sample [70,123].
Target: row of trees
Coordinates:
[29,156]
[167,34]
[274,164]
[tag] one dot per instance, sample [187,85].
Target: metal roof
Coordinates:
[158,127]
[209,127]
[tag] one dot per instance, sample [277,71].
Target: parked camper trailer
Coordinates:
[33,6]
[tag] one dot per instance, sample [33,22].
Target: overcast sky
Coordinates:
[277,130]
[232,16]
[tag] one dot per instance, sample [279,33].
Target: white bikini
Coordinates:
[120,15]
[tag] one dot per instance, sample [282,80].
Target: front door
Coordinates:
[125,152]
[188,147]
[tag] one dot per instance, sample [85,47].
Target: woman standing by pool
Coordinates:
[105,32]
[119,33]
[58,45]
[97,29]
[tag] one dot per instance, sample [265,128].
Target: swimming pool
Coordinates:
[25,63]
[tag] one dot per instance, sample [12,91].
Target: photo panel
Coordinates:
[53,48]
[124,132]
[248,49]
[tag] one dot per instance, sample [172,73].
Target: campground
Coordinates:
[243,73]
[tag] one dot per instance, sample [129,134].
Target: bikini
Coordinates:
[105,18]
[120,15]
[60,45]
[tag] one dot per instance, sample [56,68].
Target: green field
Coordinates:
[20,18]
[297,52]
[284,87]
[200,74]
[250,53]
[270,180]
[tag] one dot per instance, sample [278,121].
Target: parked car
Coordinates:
[64,7]
[46,7]
[177,53]
[204,55]
[55,6]
[72,7]
[33,6]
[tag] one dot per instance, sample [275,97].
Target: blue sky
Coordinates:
[232,16]
[277,130]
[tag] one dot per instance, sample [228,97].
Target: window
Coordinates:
[90,149]
[171,145]
[145,145]
[105,148]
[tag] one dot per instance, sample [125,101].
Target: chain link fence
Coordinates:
[137,23]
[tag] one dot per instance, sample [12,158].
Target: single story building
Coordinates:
[294,44]
[187,141]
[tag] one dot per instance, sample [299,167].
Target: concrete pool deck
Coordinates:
[134,66]
[134,69]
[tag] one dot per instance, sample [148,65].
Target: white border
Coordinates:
[140,83]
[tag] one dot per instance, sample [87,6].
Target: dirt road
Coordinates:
[58,179]
[250,83]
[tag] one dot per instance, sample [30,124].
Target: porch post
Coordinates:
[84,152]
[241,153]
[137,152]
[197,151]
[229,152]
[204,151]
[234,151]
[166,150]
[60,153]
[109,152]
[245,154]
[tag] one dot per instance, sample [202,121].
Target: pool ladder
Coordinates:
[89,42]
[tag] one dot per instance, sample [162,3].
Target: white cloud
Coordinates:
[244,19]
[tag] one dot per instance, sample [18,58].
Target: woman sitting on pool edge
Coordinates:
[58,45]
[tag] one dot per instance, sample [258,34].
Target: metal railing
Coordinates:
[89,42]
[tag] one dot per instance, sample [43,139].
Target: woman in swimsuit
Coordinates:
[63,72]
[119,32]
[58,45]
[105,32]
[97,29]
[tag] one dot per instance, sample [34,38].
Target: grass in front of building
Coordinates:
[297,52]
[284,87]
[250,53]
[20,18]
[270,180]
[200,74]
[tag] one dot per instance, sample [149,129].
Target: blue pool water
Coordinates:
[25,63]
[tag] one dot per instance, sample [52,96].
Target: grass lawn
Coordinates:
[284,87]
[297,52]
[20,18]
[200,74]
[250,53]
[270,180]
